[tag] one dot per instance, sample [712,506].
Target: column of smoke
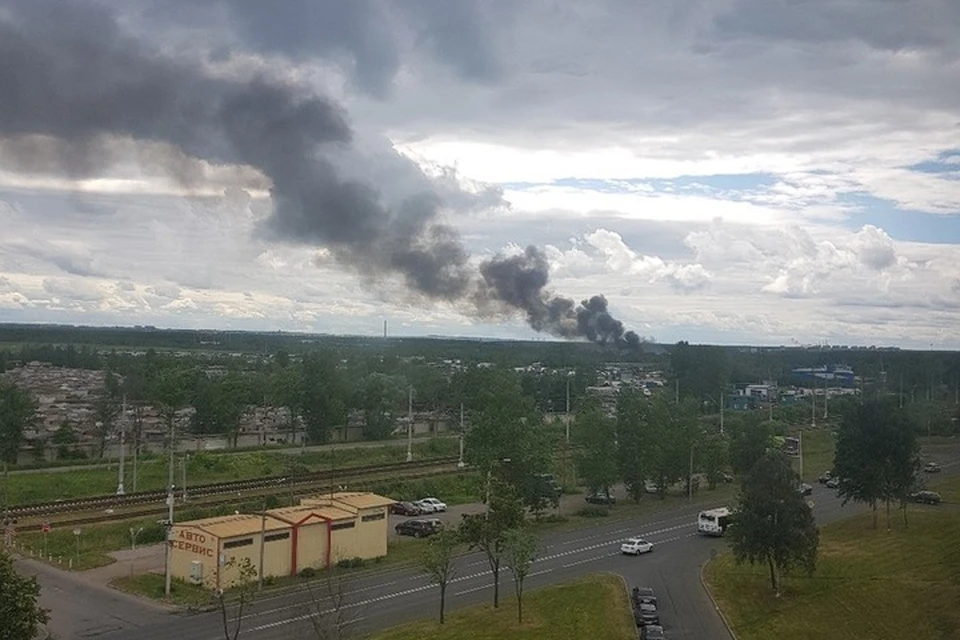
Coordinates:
[74,86]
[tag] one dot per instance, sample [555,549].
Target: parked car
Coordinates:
[931,467]
[405,509]
[925,497]
[636,546]
[643,594]
[833,482]
[419,528]
[727,478]
[600,498]
[805,489]
[825,477]
[431,505]
[652,632]
[646,613]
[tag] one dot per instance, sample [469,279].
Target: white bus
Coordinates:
[713,522]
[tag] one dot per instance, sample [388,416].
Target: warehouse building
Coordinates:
[318,533]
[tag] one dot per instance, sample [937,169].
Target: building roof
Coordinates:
[232,526]
[351,500]
[299,513]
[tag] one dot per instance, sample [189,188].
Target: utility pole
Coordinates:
[183,466]
[800,451]
[690,476]
[677,392]
[826,400]
[721,412]
[170,500]
[813,405]
[460,462]
[901,390]
[410,424]
[263,533]
[123,431]
[566,418]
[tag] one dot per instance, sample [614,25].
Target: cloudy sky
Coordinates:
[726,171]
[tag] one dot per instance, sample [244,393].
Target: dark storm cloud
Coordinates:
[67,72]
[365,36]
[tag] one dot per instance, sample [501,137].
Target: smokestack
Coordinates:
[78,90]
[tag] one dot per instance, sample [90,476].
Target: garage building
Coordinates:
[318,533]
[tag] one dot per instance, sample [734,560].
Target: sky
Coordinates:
[759,172]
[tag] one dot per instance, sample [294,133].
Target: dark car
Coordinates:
[652,632]
[598,497]
[643,594]
[405,509]
[646,613]
[925,497]
[825,477]
[931,467]
[419,528]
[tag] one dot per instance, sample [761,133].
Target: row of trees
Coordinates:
[646,439]
[877,459]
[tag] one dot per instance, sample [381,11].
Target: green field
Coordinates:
[869,583]
[208,467]
[595,607]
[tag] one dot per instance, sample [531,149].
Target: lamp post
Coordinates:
[410,424]
[460,463]
[133,545]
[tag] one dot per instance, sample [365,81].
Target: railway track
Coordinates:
[220,488]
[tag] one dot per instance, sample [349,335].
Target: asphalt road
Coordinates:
[377,600]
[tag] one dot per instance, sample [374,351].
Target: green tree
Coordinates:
[877,455]
[63,438]
[322,397]
[106,409]
[521,551]
[487,531]
[381,396]
[750,436]
[772,521]
[508,427]
[597,456]
[19,614]
[633,436]
[18,411]
[437,561]
[714,458]
[673,431]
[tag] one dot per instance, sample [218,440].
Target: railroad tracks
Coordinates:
[329,476]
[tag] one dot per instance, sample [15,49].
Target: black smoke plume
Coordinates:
[70,78]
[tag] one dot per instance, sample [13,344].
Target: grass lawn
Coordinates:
[595,607]
[152,585]
[868,584]
[209,467]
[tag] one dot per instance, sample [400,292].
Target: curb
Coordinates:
[716,607]
[626,591]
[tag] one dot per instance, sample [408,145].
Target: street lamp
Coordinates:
[410,425]
[460,463]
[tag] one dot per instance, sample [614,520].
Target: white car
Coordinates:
[636,546]
[431,505]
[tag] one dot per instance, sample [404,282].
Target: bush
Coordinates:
[553,518]
[308,572]
[350,563]
[593,511]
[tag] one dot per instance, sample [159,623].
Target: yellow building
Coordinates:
[208,551]
[364,535]
[318,533]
